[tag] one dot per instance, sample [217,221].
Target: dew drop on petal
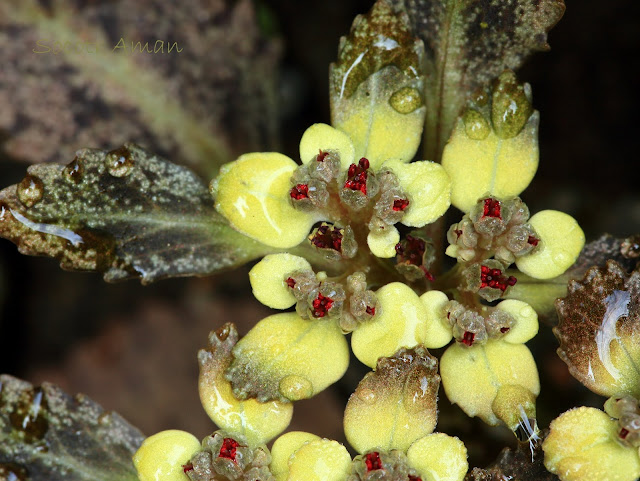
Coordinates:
[295,387]
[30,190]
[119,162]
[406,100]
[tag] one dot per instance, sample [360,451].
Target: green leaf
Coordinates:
[376,86]
[203,89]
[126,213]
[48,435]
[469,43]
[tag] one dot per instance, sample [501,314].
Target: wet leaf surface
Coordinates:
[48,435]
[468,43]
[126,213]
[202,90]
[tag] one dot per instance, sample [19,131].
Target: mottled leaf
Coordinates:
[126,213]
[48,435]
[396,404]
[376,86]
[625,252]
[199,87]
[470,42]
[599,325]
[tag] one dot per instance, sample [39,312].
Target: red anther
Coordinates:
[187,467]
[321,156]
[357,176]
[504,329]
[400,204]
[300,191]
[371,311]
[458,233]
[373,462]
[328,237]
[414,478]
[623,433]
[468,338]
[291,282]
[491,208]
[413,250]
[494,278]
[321,305]
[533,240]
[228,449]
[427,274]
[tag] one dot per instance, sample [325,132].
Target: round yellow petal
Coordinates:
[561,240]
[324,137]
[437,332]
[267,279]
[283,448]
[526,326]
[399,323]
[439,457]
[428,187]
[320,460]
[383,244]
[253,194]
[161,456]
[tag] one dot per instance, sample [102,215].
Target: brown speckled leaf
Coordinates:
[47,435]
[470,42]
[599,328]
[126,213]
[212,97]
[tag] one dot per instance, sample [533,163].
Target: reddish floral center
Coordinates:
[411,251]
[400,204]
[414,478]
[468,338]
[373,462]
[494,278]
[187,467]
[300,191]
[321,305]
[491,208]
[290,282]
[228,449]
[328,237]
[623,433]
[371,311]
[321,156]
[533,240]
[357,176]
[458,233]
[504,329]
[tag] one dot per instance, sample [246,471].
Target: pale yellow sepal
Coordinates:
[561,240]
[438,331]
[582,446]
[268,276]
[320,460]
[324,137]
[472,376]
[383,244]
[439,457]
[283,448]
[253,194]
[399,322]
[502,167]
[526,325]
[302,356]
[428,187]
[161,456]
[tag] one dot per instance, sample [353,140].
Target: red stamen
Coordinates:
[623,433]
[494,278]
[373,462]
[228,449]
[187,467]
[371,311]
[533,240]
[458,233]
[491,208]
[468,338]
[290,282]
[321,305]
[504,329]
[400,204]
[414,478]
[357,176]
[300,191]
[321,156]
[328,237]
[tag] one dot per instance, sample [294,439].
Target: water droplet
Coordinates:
[74,170]
[367,395]
[28,415]
[511,108]
[119,162]
[406,100]
[475,125]
[12,472]
[295,387]
[30,190]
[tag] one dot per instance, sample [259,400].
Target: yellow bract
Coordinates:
[302,356]
[428,187]
[283,448]
[400,322]
[439,457]
[472,376]
[438,331]
[161,456]
[253,194]
[268,279]
[383,244]
[502,167]
[320,460]
[582,446]
[324,137]
[526,325]
[561,240]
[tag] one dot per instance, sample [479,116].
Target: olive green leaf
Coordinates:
[376,86]
[469,43]
[193,80]
[126,213]
[48,435]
